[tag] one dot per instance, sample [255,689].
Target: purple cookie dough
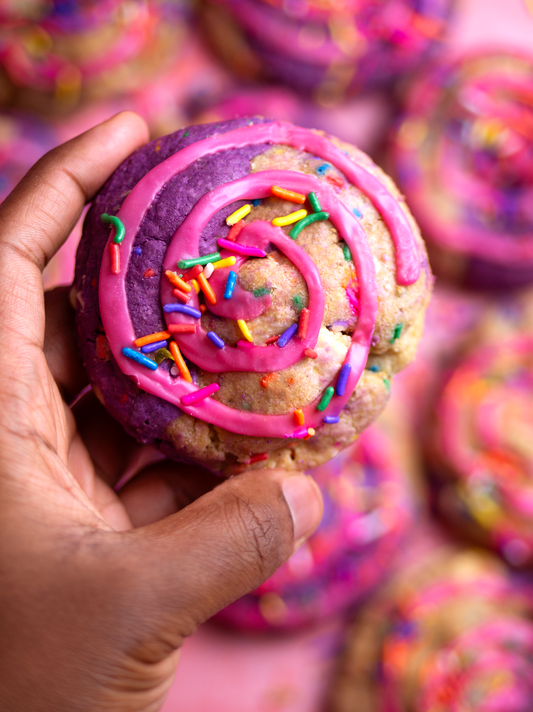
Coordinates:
[143,415]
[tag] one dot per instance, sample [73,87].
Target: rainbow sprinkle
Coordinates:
[114,253]
[151,338]
[343,379]
[199,395]
[287,335]
[243,326]
[207,289]
[187,264]
[139,358]
[208,270]
[230,284]
[120,230]
[182,309]
[236,230]
[315,217]
[299,417]
[326,398]
[290,219]
[239,214]
[177,281]
[215,338]
[314,202]
[180,361]
[287,194]
[303,324]
[153,347]
[227,262]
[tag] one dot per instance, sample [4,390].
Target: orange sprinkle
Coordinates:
[310,433]
[288,194]
[180,295]
[233,234]
[266,379]
[180,362]
[152,338]
[206,289]
[310,353]
[299,417]
[177,281]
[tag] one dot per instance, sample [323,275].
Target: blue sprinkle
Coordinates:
[137,250]
[374,369]
[182,309]
[330,419]
[357,213]
[256,202]
[153,347]
[343,379]
[230,284]
[215,338]
[140,358]
[322,169]
[287,336]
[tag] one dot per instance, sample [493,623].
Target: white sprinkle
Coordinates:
[208,270]
[174,371]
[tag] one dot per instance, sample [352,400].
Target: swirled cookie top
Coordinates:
[195,281]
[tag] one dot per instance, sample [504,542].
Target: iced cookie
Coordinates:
[245,292]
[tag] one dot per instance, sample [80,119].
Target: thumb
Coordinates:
[229,541]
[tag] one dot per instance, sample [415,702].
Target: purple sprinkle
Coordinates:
[331,419]
[182,309]
[215,338]
[343,379]
[375,341]
[153,347]
[287,336]
[137,250]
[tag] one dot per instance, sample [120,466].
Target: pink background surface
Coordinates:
[227,672]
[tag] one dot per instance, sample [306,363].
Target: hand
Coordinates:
[98,591]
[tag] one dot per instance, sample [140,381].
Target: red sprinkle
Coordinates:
[180,295]
[102,348]
[192,273]
[114,251]
[124,398]
[304,323]
[266,379]
[310,353]
[149,273]
[258,458]
[182,328]
[272,339]
[335,180]
[236,229]
[202,308]
[93,282]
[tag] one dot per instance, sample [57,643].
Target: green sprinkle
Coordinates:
[396,333]
[246,406]
[185,134]
[387,384]
[187,264]
[314,201]
[260,292]
[346,252]
[326,398]
[298,302]
[314,217]
[120,230]
[161,354]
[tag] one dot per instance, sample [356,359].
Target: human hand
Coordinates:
[97,591]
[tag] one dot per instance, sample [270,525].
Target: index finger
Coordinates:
[41,212]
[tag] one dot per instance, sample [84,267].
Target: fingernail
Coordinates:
[305,502]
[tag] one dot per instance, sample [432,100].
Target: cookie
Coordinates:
[281,352]
[330,49]
[463,156]
[452,632]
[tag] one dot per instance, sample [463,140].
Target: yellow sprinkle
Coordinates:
[239,214]
[290,219]
[196,286]
[228,262]
[243,326]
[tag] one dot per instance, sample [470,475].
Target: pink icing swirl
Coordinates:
[112,292]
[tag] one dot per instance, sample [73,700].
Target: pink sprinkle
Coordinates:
[199,395]
[300,433]
[245,344]
[240,249]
